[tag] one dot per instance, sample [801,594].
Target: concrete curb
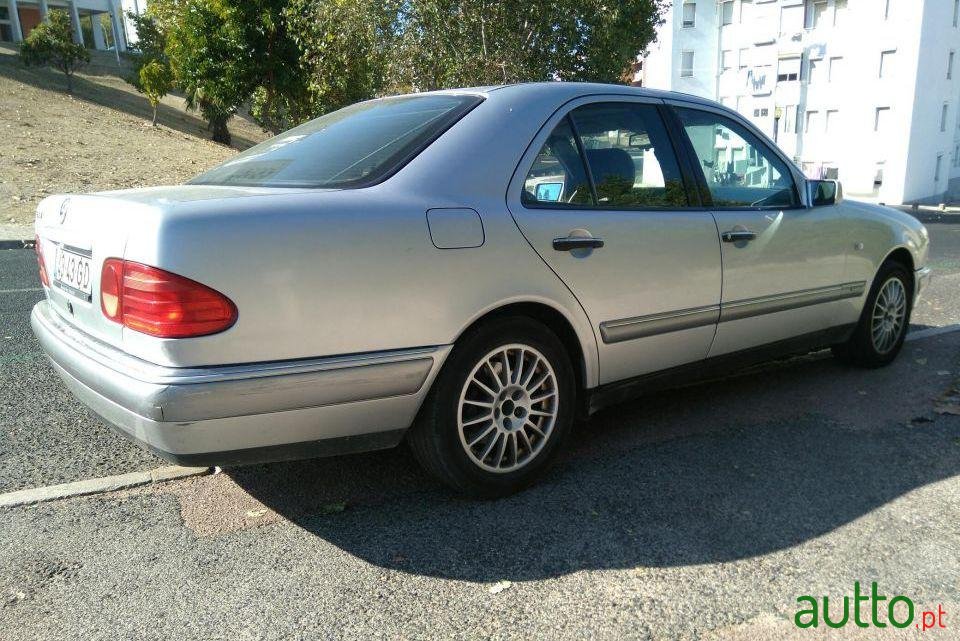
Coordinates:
[98,486]
[932,331]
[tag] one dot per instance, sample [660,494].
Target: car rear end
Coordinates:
[239,318]
[166,354]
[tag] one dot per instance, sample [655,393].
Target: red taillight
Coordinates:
[44,278]
[156,302]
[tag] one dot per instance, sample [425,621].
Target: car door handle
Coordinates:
[569,243]
[737,235]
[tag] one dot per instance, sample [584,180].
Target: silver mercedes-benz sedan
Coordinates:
[468,270]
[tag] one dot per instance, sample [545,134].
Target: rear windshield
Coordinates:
[353,147]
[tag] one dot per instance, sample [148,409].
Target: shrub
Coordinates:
[51,44]
[156,80]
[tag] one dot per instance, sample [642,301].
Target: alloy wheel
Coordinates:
[889,315]
[508,408]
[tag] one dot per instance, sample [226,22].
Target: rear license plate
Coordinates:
[72,273]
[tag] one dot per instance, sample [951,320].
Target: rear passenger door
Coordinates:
[601,197]
[783,263]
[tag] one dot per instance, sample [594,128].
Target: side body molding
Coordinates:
[626,329]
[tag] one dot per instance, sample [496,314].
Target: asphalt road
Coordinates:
[699,513]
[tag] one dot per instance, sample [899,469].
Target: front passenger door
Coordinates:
[783,263]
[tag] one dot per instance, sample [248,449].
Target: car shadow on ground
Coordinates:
[712,473]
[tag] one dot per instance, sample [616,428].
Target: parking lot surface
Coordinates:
[700,513]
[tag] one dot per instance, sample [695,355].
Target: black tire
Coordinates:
[861,349]
[436,439]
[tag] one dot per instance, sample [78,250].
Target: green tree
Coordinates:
[347,46]
[211,62]
[51,43]
[156,80]
[449,43]
[280,95]
[151,45]
[226,54]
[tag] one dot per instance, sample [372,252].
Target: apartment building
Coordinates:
[97,24]
[866,91]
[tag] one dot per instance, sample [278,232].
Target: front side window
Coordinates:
[628,153]
[740,170]
[352,147]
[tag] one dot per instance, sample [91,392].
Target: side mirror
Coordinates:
[824,192]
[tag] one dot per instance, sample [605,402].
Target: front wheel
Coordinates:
[499,410]
[883,324]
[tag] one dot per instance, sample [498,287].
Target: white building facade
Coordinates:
[97,24]
[866,91]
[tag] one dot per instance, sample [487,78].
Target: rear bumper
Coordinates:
[244,413]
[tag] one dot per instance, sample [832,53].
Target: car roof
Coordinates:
[569,90]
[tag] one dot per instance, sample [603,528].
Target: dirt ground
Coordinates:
[100,138]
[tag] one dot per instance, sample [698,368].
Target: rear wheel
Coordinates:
[499,410]
[879,334]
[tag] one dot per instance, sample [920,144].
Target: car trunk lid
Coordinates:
[85,230]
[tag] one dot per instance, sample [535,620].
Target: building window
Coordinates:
[814,71]
[726,12]
[725,56]
[744,58]
[788,120]
[943,117]
[813,117]
[686,64]
[886,9]
[746,10]
[880,117]
[6,25]
[936,169]
[815,11]
[839,12]
[689,13]
[789,69]
[791,19]
[831,121]
[956,12]
[950,64]
[886,63]
[835,71]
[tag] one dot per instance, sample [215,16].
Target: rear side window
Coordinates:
[558,175]
[740,170]
[623,147]
[629,155]
[353,147]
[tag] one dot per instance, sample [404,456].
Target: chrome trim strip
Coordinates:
[192,394]
[790,300]
[641,326]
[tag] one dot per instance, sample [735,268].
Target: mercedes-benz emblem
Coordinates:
[63,210]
